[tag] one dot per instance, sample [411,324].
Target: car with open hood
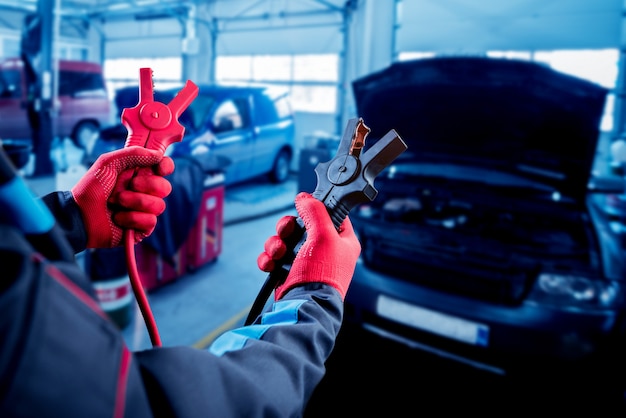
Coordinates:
[484,244]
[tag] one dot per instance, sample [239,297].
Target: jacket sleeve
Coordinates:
[61,355]
[267,369]
[68,217]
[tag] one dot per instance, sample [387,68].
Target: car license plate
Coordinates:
[433,321]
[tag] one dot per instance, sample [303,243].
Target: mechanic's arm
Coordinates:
[109,199]
[269,368]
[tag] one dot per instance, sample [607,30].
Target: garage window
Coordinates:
[9,46]
[311,78]
[122,72]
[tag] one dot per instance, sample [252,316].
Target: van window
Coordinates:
[228,117]
[10,84]
[283,107]
[78,83]
[272,108]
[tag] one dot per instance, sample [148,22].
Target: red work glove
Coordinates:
[111,199]
[327,256]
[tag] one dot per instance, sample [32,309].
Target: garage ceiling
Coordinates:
[423,25]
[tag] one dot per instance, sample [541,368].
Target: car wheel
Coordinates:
[85,134]
[280,170]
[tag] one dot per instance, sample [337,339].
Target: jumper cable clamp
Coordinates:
[153,125]
[342,183]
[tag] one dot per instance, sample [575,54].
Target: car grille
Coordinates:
[479,276]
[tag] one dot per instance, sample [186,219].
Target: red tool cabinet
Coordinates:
[203,244]
[154,271]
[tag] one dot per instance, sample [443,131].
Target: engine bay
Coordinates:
[490,243]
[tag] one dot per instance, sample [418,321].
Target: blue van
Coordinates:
[241,130]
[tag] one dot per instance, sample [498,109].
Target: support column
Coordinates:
[619,112]
[37,52]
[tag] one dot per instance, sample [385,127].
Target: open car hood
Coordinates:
[516,116]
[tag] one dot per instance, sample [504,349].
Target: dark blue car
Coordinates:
[484,244]
[242,131]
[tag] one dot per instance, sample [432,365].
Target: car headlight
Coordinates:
[366,211]
[574,292]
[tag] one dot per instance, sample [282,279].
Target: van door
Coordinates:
[233,137]
[274,129]
[13,116]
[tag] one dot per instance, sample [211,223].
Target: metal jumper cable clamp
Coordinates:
[342,183]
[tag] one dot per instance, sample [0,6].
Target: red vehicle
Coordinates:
[82,106]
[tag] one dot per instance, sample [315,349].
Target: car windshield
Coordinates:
[196,114]
[194,117]
[10,84]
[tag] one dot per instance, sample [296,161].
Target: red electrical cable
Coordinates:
[140,294]
[152,125]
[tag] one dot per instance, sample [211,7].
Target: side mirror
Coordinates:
[224,125]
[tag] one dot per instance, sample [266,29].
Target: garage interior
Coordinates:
[215,40]
[316,48]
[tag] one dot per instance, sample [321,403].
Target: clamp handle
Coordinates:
[152,124]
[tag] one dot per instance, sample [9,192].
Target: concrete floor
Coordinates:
[197,307]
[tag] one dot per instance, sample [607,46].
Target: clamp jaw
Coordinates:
[342,183]
[155,125]
[348,179]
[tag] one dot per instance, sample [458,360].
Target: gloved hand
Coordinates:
[113,196]
[327,256]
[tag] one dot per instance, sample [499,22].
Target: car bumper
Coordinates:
[499,339]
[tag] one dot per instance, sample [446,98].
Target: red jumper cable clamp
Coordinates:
[153,125]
